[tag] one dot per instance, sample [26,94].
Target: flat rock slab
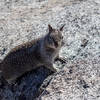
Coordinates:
[79,81]
[24,20]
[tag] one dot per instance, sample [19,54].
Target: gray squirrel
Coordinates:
[33,54]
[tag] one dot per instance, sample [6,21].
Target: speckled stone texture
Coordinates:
[79,78]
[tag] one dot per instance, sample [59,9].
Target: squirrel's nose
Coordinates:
[62,43]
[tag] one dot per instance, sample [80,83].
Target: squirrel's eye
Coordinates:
[50,39]
[61,37]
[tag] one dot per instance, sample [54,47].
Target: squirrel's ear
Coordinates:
[50,28]
[61,29]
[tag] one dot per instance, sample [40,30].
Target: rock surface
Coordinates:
[77,81]
[79,78]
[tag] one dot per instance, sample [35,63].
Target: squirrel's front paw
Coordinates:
[62,60]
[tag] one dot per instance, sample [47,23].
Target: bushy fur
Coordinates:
[31,55]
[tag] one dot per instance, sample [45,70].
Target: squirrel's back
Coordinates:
[20,59]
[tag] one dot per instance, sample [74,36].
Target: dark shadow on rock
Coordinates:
[27,86]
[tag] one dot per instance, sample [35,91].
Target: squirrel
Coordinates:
[33,54]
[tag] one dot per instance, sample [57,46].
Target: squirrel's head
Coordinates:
[54,38]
